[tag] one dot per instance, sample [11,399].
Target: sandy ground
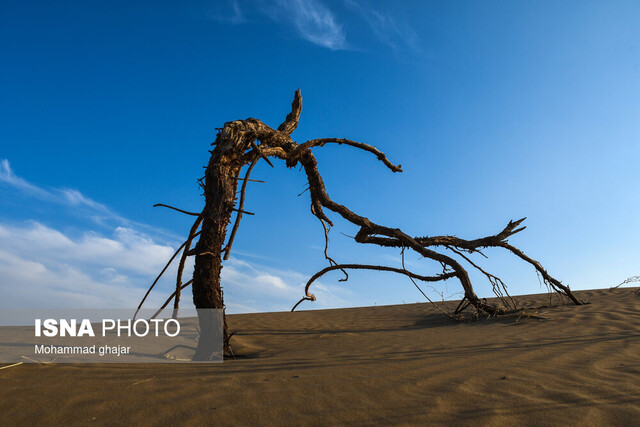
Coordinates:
[404,364]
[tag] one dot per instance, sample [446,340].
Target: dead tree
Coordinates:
[244,143]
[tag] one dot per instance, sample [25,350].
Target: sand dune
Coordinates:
[404,364]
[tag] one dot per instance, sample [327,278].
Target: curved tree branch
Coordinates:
[326,246]
[366,147]
[546,276]
[311,297]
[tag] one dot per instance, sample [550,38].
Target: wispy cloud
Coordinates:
[76,198]
[311,20]
[8,177]
[317,23]
[397,35]
[229,12]
[73,199]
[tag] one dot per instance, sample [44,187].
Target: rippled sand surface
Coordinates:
[403,364]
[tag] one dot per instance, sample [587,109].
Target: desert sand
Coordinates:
[404,364]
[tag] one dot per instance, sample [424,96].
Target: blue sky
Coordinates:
[495,109]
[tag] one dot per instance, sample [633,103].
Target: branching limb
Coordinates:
[295,154]
[369,230]
[624,282]
[259,152]
[489,241]
[451,241]
[559,287]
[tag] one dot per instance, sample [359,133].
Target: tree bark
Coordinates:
[220,188]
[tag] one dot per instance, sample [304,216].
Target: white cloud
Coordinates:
[45,267]
[258,286]
[256,280]
[25,283]
[41,266]
[127,249]
[271,280]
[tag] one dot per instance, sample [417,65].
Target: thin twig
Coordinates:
[303,191]
[255,147]
[11,366]
[39,361]
[236,224]
[241,211]
[166,303]
[175,209]
[326,246]
[624,282]
[496,282]
[194,227]
[162,272]
[420,289]
[140,382]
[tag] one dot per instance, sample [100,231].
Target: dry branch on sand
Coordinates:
[625,281]
[245,142]
[11,366]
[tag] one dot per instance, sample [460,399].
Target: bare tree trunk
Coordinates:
[220,188]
